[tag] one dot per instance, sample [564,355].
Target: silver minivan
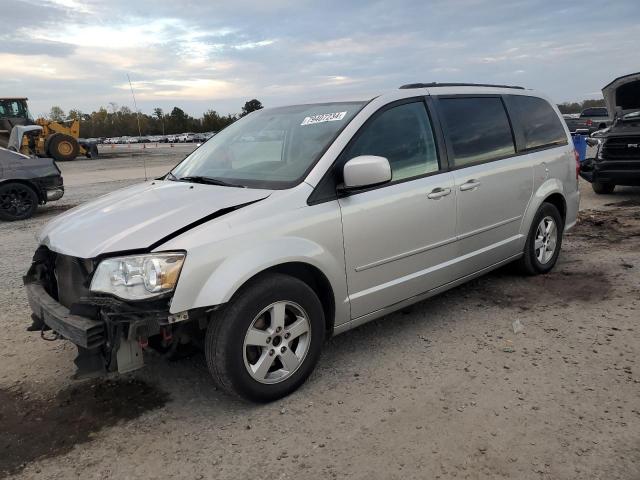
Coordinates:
[301,222]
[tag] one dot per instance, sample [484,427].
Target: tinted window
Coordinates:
[595,112]
[478,129]
[539,123]
[402,135]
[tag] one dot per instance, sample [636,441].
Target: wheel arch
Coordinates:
[311,276]
[557,200]
[551,191]
[42,198]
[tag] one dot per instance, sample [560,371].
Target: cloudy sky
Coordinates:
[212,54]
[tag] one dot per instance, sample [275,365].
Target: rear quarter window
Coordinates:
[539,124]
[477,129]
[595,112]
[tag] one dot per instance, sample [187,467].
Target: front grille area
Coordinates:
[622,148]
[72,279]
[65,278]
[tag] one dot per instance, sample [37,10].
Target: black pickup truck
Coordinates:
[617,161]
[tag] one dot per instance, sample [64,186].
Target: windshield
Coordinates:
[271,148]
[632,116]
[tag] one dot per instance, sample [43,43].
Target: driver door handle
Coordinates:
[438,192]
[469,185]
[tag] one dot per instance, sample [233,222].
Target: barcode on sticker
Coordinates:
[323,117]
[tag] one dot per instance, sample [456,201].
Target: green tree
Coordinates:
[178,120]
[251,106]
[74,114]
[56,114]
[159,114]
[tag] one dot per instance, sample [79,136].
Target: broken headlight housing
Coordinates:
[138,277]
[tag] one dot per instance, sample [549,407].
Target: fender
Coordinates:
[234,271]
[549,187]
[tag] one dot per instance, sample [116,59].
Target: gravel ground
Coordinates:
[445,390]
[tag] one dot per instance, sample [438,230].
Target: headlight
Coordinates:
[138,277]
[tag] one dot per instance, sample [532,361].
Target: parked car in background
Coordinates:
[617,160]
[172,138]
[185,137]
[300,222]
[25,183]
[590,120]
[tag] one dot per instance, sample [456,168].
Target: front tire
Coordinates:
[17,201]
[267,340]
[544,241]
[603,188]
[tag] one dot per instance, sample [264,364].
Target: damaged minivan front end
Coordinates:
[109,307]
[109,289]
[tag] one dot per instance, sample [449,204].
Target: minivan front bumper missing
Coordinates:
[110,333]
[82,331]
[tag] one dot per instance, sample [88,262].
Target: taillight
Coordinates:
[577,157]
[589,122]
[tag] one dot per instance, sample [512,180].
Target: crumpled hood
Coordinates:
[139,216]
[623,92]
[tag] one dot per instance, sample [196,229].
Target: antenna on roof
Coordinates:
[135,105]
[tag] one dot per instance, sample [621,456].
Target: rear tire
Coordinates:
[543,242]
[267,340]
[63,147]
[603,188]
[17,201]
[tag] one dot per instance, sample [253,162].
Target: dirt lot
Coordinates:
[447,390]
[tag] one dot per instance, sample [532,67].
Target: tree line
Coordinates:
[577,107]
[115,121]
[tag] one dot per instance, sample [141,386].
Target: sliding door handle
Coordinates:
[437,193]
[470,185]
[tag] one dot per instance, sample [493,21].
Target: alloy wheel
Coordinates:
[277,342]
[16,201]
[546,240]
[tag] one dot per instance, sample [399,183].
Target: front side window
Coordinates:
[271,148]
[478,129]
[539,122]
[403,135]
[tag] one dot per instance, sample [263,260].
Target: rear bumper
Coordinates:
[55,194]
[82,331]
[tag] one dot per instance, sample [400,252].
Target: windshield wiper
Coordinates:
[207,181]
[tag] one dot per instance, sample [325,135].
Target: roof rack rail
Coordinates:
[436,84]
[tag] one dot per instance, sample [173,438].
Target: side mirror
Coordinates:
[366,171]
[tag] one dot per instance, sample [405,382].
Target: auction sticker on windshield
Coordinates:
[323,117]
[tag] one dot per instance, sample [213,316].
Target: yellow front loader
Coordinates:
[58,140]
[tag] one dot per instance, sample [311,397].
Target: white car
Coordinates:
[301,222]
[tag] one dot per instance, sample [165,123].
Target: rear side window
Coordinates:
[595,112]
[478,129]
[539,122]
[403,135]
